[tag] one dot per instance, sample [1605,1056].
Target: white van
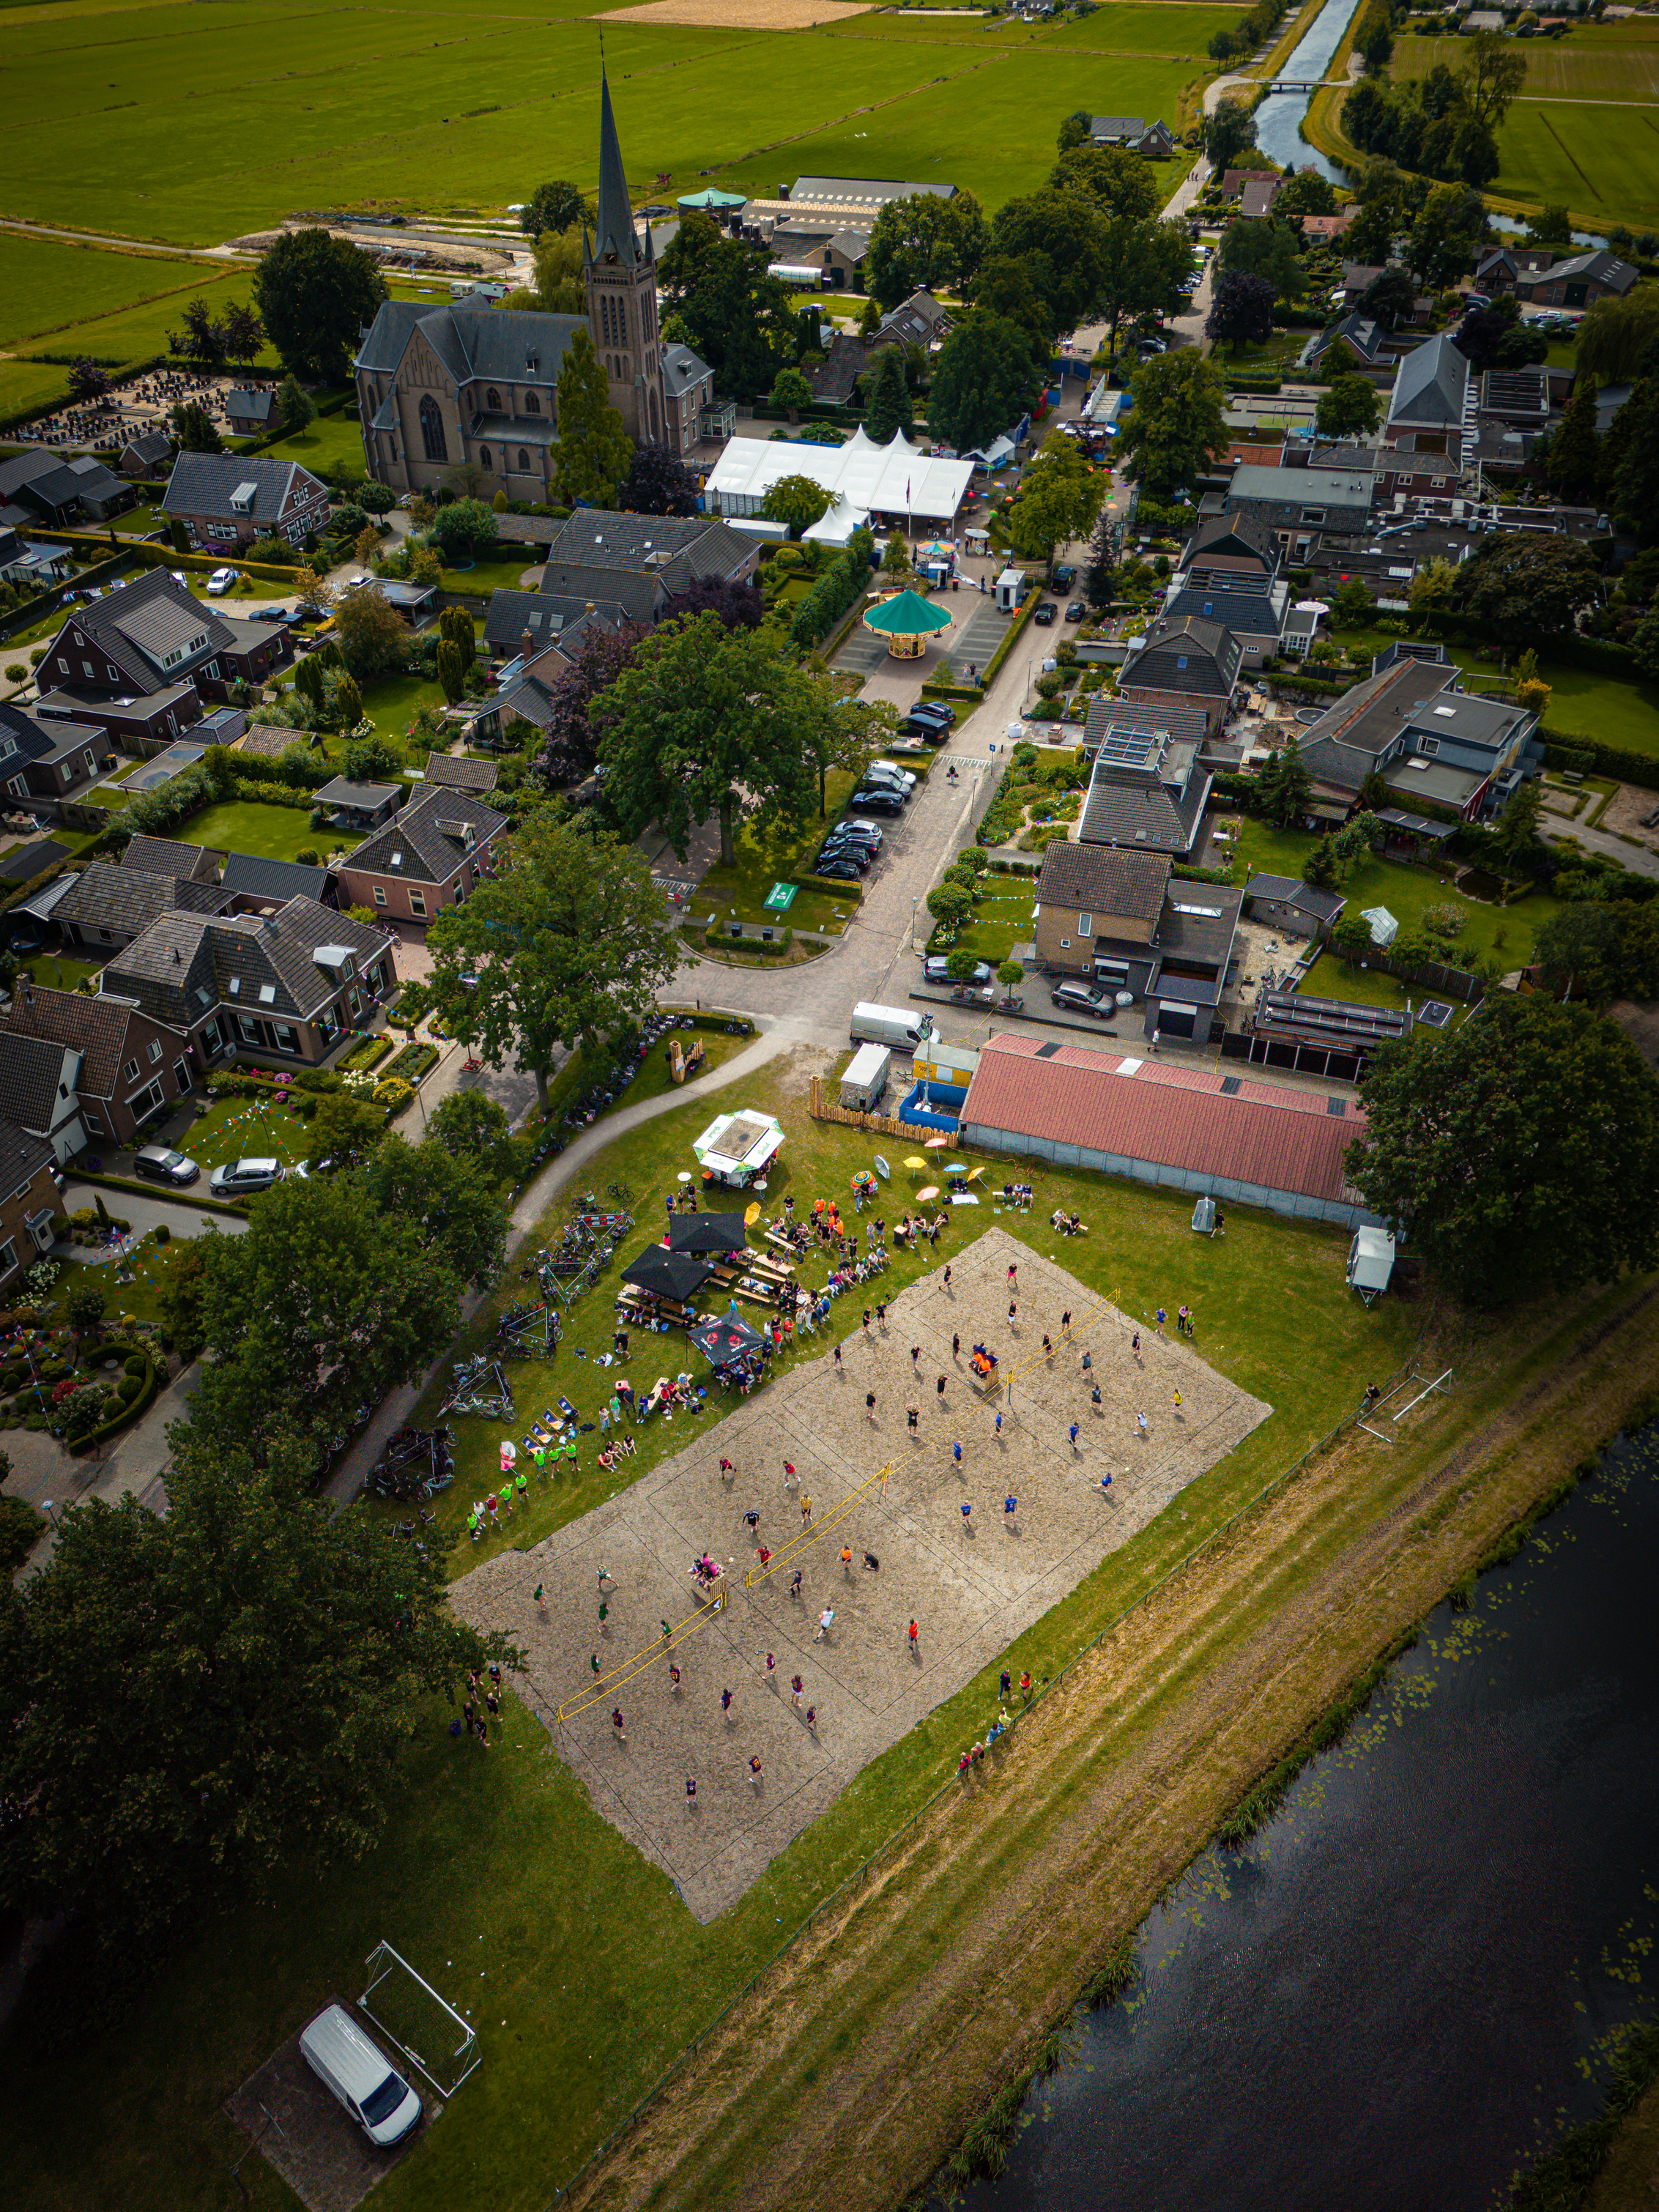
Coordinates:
[351,2068]
[873,1024]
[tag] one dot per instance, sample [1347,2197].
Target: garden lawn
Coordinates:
[1002,919]
[59,975]
[497,1879]
[498,571]
[782,855]
[1408,893]
[392,703]
[276,833]
[332,442]
[573,1078]
[246,1129]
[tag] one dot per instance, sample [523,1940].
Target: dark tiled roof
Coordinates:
[1096,880]
[96,1027]
[421,846]
[459,774]
[1143,811]
[1186,655]
[202,483]
[1247,614]
[252,406]
[1430,385]
[31,1070]
[681,369]
[22,1158]
[1292,892]
[120,624]
[483,345]
[1341,748]
[251,875]
[1177,722]
[846,362]
[1220,537]
[341,791]
[184,964]
[151,447]
[166,856]
[269,741]
[126,900]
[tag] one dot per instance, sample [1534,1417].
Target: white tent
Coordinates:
[1384,927]
[837,523]
[890,479]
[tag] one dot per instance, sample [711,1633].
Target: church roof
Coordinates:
[615,236]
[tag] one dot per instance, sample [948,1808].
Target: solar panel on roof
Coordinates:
[1045,1052]
[1231,1085]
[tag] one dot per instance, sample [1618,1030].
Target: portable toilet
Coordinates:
[865,1079]
[1371,1263]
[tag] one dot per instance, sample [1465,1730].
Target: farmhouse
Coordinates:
[429,858]
[1140,137]
[1577,280]
[1231,1137]
[146,658]
[438,387]
[227,500]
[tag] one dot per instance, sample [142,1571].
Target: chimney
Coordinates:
[526,645]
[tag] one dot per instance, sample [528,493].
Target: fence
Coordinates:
[1432,975]
[880,1125]
[952,1784]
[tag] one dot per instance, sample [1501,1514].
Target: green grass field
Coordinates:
[46,285]
[332,442]
[276,833]
[497,1879]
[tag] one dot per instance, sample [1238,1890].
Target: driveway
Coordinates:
[178,1216]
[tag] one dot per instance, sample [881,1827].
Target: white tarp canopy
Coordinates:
[737,1147]
[890,479]
[836,524]
[1384,927]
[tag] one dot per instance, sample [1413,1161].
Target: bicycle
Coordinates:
[620,1192]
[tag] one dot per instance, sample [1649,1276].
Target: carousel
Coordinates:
[907,623]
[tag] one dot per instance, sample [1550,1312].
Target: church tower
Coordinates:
[622,295]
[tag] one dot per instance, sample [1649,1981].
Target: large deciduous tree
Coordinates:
[984,380]
[1479,1143]
[316,294]
[1494,70]
[1228,133]
[1120,182]
[737,314]
[558,206]
[449,1199]
[707,720]
[1527,587]
[658,483]
[596,658]
[1265,249]
[1059,236]
[567,943]
[194,1704]
[799,500]
[1060,495]
[1176,427]
[1348,407]
[595,451]
[923,243]
[374,639]
[1241,310]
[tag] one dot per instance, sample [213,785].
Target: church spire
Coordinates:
[616,238]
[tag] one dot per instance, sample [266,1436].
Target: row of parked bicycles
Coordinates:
[414,1464]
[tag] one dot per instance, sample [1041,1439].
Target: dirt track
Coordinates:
[856,2065]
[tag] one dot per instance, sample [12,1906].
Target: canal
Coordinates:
[1417,1974]
[1278,119]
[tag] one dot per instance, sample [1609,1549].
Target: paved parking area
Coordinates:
[972,1581]
[327,2161]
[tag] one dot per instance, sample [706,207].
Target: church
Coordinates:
[437,386]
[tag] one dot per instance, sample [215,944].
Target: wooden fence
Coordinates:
[879,1125]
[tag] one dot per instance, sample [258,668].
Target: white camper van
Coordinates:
[890,1025]
[350,2067]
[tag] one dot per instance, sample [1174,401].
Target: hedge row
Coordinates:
[853,891]
[1189,875]
[1033,599]
[127,1414]
[164,556]
[1589,757]
[100,1181]
[834,593]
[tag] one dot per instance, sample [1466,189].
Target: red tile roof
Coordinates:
[1265,1133]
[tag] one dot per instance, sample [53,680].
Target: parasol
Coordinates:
[936,1143]
[706,1232]
[667,1274]
[974,1174]
[916,1164]
[882,1168]
[931,1191]
[752,1214]
[727,1339]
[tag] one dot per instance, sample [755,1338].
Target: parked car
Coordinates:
[237,1178]
[1063,577]
[1090,998]
[1045,613]
[840,868]
[1076,612]
[936,968]
[891,775]
[861,857]
[270,614]
[161,1163]
[932,733]
[934,710]
[220,582]
[878,799]
[355,2073]
[852,826]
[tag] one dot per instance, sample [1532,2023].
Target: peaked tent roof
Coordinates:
[615,236]
[906,615]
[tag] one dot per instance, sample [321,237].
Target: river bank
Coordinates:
[851,2070]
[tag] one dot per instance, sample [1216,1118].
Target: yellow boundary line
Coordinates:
[792,1550]
[625,1671]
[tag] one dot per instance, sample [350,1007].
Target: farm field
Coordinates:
[46,286]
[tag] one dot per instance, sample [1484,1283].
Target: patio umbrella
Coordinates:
[931,1191]
[974,1174]
[916,1164]
[752,1214]
[667,1274]
[936,1143]
[706,1232]
[726,1339]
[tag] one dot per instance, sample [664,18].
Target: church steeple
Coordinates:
[616,238]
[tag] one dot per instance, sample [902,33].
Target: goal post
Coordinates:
[426,2028]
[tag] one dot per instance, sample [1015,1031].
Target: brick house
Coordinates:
[32,1207]
[1092,896]
[227,500]
[1117,919]
[1577,280]
[1185,662]
[429,858]
[454,772]
[1429,401]
[292,984]
[145,658]
[38,1080]
[133,1068]
[843,257]
[146,454]
[43,761]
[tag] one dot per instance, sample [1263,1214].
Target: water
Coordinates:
[1512,227]
[1278,120]
[1415,1976]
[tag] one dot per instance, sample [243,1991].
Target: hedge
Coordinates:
[242,770]
[837,585]
[853,891]
[1033,599]
[124,1415]
[164,556]
[1586,755]
[101,1182]
[962,691]
[413,1062]
[1199,875]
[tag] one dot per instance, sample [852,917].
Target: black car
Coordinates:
[1076,612]
[1045,613]
[860,856]
[932,733]
[934,710]
[839,870]
[880,800]
[161,1163]
[1063,577]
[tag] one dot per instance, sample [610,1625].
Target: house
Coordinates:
[257,884]
[1147,791]
[417,603]
[920,320]
[1231,1137]
[847,360]
[1184,661]
[1184,724]
[38,1080]
[1297,909]
[1295,505]
[455,772]
[1229,549]
[523,694]
[1578,280]
[22,562]
[1253,610]
[1233,181]
[361,805]
[146,455]
[522,624]
[1500,268]
[1256,201]
[842,255]
[1325,229]
[227,500]
[440,386]
[1430,399]
[431,857]
[110,906]
[1092,899]
[47,761]
[132,1070]
[1140,137]
[168,856]
[1437,749]
[294,982]
[270,740]
[252,413]
[53,486]
[1357,279]
[144,658]
[639,562]
[32,1207]
[1356,342]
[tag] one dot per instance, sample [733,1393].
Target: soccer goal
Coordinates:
[1382,1410]
[428,2030]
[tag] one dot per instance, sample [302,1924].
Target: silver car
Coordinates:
[238,1178]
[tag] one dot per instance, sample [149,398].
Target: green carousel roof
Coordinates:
[711,198]
[906,615]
